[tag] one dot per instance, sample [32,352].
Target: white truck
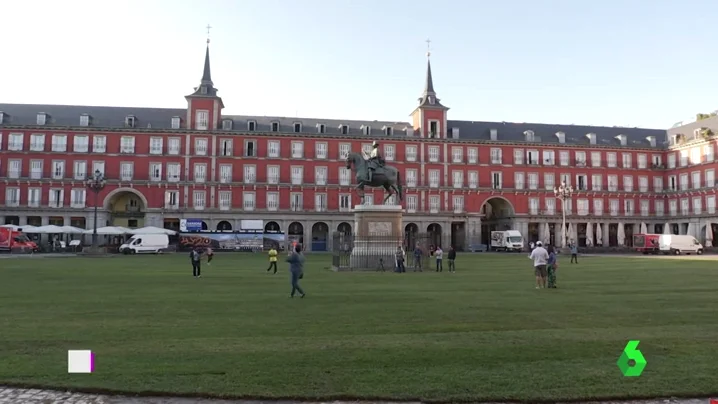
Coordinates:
[507,240]
[146,243]
[679,244]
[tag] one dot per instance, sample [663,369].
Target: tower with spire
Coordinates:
[204,106]
[429,118]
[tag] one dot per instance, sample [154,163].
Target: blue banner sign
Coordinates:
[190,225]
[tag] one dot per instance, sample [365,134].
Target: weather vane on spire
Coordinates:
[208,28]
[428,48]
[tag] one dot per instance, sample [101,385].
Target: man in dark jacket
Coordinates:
[195,256]
[296,268]
[452,259]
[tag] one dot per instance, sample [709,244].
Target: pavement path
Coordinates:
[10,395]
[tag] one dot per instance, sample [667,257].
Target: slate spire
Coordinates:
[206,86]
[428,98]
[207,73]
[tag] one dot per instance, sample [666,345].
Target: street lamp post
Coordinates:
[563,193]
[96,183]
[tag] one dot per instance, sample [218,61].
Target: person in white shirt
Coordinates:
[439,254]
[540,257]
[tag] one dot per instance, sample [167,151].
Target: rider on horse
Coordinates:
[374,159]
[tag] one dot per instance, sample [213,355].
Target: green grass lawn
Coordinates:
[483,333]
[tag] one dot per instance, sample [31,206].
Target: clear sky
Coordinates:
[624,63]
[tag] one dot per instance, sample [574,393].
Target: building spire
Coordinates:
[206,86]
[428,98]
[207,73]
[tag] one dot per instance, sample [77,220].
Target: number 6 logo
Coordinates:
[631,353]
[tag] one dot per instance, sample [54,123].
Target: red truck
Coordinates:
[646,243]
[15,241]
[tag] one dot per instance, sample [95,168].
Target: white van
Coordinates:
[679,244]
[146,243]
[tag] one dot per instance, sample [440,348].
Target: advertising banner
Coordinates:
[232,241]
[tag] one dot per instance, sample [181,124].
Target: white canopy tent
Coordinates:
[49,229]
[72,230]
[153,230]
[17,228]
[109,231]
[589,234]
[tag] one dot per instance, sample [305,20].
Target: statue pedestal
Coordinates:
[379,231]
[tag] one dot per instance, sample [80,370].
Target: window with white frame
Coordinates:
[565,179]
[344,149]
[643,184]
[434,154]
[611,160]
[175,122]
[250,174]
[612,183]
[155,145]
[297,149]
[458,203]
[345,176]
[582,182]
[659,206]
[710,178]
[496,180]
[473,179]
[273,176]
[532,157]
[684,158]
[250,148]
[567,205]
[59,143]
[84,120]
[225,147]
[696,156]
[320,202]
[174,146]
[684,182]
[711,204]
[389,152]
[457,154]
[126,171]
[496,156]
[225,200]
[709,153]
[613,207]
[582,207]
[410,152]
[320,150]
[657,160]
[56,197]
[297,175]
[34,197]
[518,156]
[434,203]
[596,182]
[78,198]
[696,179]
[518,180]
[642,160]
[685,207]
[550,204]
[273,149]
[564,158]
[202,120]
[697,205]
[98,165]
[645,207]
[127,144]
[549,157]
[173,172]
[369,199]
[320,175]
[15,142]
[598,206]
[534,206]
[457,177]
[673,207]
[533,180]
[200,172]
[225,173]
[248,201]
[412,202]
[580,157]
[411,177]
[627,160]
[657,184]
[549,181]
[671,160]
[672,183]
[434,178]
[472,155]
[79,170]
[345,202]
[296,201]
[12,196]
[272,201]
[81,144]
[199,200]
[201,145]
[36,169]
[155,172]
[596,159]
[628,183]
[99,144]
[37,142]
[58,169]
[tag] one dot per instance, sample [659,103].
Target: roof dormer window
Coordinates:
[621,139]
[227,124]
[388,130]
[85,120]
[2,117]
[251,126]
[529,135]
[561,137]
[591,138]
[494,134]
[454,133]
[130,121]
[297,127]
[41,118]
[651,140]
[321,128]
[203,90]
[275,126]
[366,129]
[409,131]
[176,121]
[344,129]
[432,100]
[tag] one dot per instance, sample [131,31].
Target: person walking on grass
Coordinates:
[399,258]
[452,259]
[210,254]
[551,267]
[574,252]
[272,259]
[439,254]
[296,269]
[195,257]
[417,258]
[540,257]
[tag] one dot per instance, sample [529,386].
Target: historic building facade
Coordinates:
[461,179]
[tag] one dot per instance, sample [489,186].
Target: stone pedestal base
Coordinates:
[379,231]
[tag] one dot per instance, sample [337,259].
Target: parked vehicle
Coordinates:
[679,244]
[15,241]
[146,243]
[646,243]
[508,240]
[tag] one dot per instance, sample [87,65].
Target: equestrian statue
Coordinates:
[371,170]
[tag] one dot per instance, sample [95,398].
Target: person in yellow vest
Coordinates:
[272,259]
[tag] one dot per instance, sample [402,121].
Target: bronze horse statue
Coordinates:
[384,176]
